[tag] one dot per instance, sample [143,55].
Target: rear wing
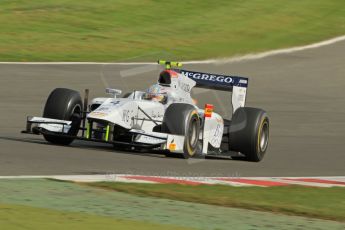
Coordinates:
[235,84]
[215,81]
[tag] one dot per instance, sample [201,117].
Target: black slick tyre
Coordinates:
[64,104]
[249,133]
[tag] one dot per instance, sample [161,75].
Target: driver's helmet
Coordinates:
[156,93]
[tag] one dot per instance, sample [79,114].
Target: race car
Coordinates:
[163,117]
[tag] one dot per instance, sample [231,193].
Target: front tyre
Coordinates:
[249,133]
[64,104]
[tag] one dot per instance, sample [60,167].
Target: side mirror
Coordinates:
[113,92]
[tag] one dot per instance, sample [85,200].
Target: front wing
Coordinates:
[141,139]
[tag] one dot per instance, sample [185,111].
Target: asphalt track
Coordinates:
[303,93]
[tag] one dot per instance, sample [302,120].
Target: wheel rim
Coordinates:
[263,137]
[76,112]
[193,133]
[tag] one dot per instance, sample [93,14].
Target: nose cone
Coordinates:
[115,111]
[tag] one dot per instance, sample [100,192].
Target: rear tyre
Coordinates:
[183,119]
[64,104]
[249,133]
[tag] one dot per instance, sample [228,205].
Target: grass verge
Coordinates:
[17,217]
[113,30]
[323,203]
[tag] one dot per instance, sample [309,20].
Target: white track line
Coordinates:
[270,53]
[210,61]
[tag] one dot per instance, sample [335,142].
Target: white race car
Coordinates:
[164,117]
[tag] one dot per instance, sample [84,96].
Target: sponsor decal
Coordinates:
[108,106]
[217,132]
[217,136]
[220,120]
[184,86]
[127,115]
[98,114]
[216,81]
[208,77]
[103,108]
[114,102]
[156,115]
[148,139]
